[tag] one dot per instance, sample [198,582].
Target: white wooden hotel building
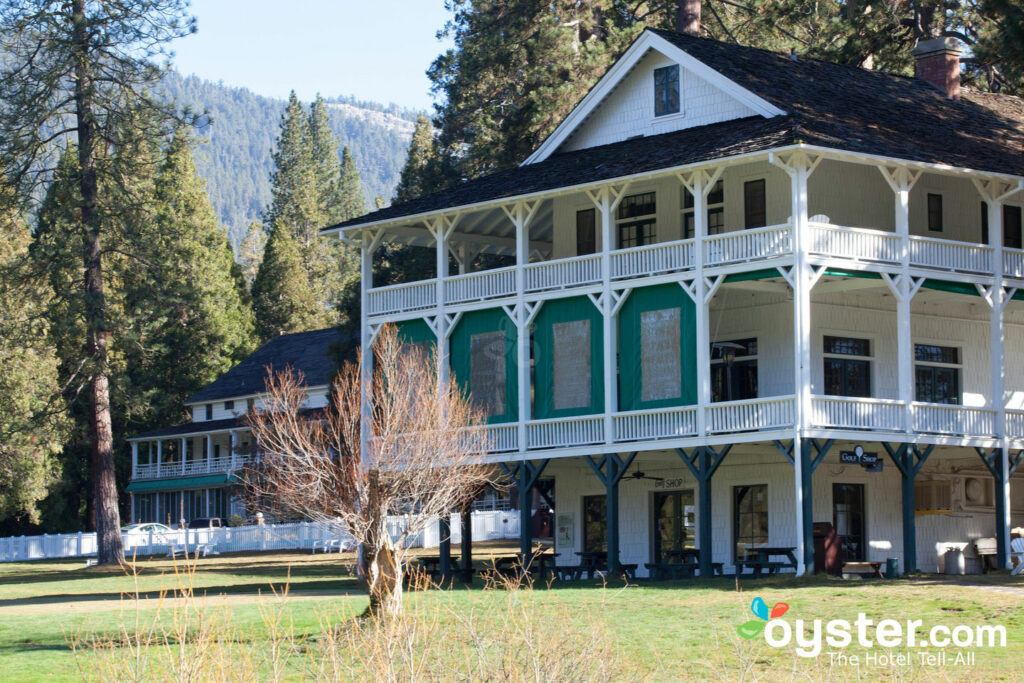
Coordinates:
[726,270]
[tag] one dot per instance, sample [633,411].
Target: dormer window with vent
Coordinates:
[666,90]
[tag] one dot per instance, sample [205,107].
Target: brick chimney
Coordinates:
[688,17]
[937,61]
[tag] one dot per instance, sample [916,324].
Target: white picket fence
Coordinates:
[487,525]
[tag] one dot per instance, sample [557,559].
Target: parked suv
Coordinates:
[206,523]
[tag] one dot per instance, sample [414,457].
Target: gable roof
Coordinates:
[827,105]
[646,41]
[310,353]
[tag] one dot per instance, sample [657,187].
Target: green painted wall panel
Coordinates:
[630,334]
[482,322]
[561,311]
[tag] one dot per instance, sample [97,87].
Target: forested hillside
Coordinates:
[236,159]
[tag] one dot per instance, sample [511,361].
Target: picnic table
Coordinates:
[764,561]
[431,564]
[680,563]
[592,563]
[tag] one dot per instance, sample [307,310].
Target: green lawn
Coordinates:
[662,631]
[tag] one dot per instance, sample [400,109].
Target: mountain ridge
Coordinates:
[234,150]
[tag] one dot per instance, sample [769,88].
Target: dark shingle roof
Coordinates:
[830,105]
[310,353]
[189,428]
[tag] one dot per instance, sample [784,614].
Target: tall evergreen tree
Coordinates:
[250,252]
[352,203]
[193,300]
[79,68]
[420,173]
[281,296]
[33,421]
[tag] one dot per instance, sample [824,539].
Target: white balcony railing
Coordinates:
[838,412]
[565,431]
[189,468]
[748,245]
[933,418]
[854,243]
[659,423]
[563,273]
[926,252]
[751,415]
[1015,423]
[489,284]
[398,298]
[1013,263]
[652,259]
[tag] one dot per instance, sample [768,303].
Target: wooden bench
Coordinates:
[869,569]
[757,566]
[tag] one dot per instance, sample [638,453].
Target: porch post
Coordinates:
[805,455]
[184,452]
[159,455]
[135,464]
[1002,467]
[209,451]
[444,546]
[604,204]
[702,463]
[908,458]
[368,245]
[802,277]
[525,474]
[466,523]
[610,470]
[231,448]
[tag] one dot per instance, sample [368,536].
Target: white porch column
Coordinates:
[231,448]
[369,243]
[994,192]
[699,184]
[135,462]
[159,455]
[184,453]
[901,181]
[442,228]
[606,200]
[520,216]
[799,167]
[209,451]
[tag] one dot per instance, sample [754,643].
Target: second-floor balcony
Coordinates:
[190,468]
[757,419]
[827,244]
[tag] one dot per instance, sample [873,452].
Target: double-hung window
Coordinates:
[636,220]
[847,366]
[734,370]
[935,216]
[716,211]
[936,374]
[666,90]
[1012,228]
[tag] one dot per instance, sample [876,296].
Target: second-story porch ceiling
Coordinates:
[828,107]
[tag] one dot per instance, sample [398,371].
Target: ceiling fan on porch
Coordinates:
[638,474]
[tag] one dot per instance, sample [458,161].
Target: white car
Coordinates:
[145,528]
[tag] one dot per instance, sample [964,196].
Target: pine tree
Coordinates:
[86,68]
[250,252]
[191,301]
[352,203]
[281,296]
[420,173]
[33,420]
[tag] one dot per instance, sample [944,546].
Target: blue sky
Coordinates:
[376,50]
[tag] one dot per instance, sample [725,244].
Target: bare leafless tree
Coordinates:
[423,458]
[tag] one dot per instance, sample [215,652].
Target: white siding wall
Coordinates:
[574,479]
[317,399]
[629,110]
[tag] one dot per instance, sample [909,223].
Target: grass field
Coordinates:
[683,630]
